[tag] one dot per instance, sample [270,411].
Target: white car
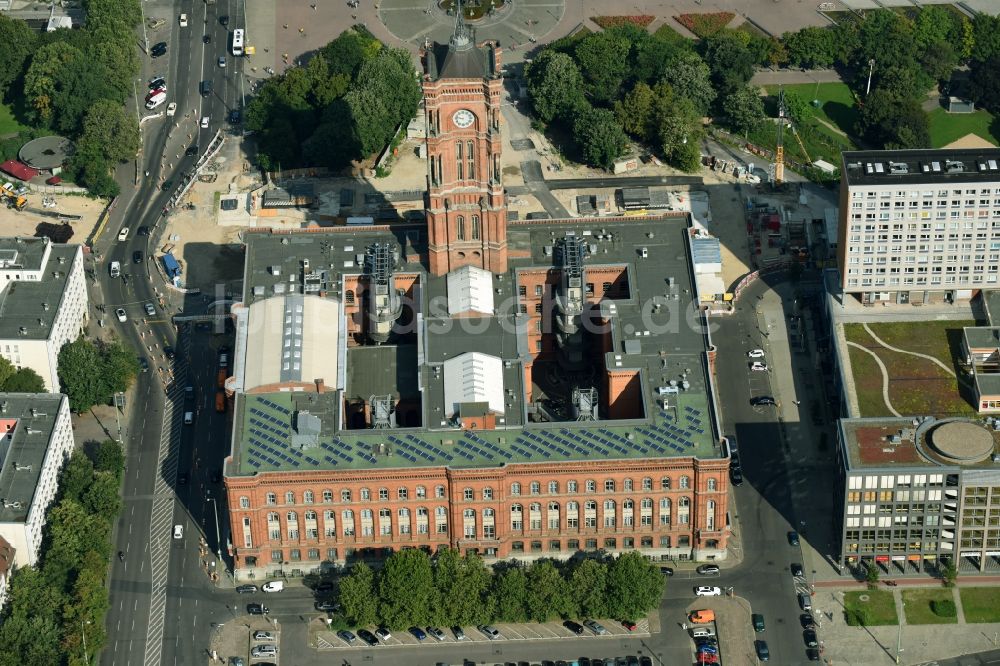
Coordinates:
[263,636]
[758,366]
[755,353]
[273,586]
[222,61]
[178,531]
[183,19]
[120,313]
[171,108]
[204,122]
[150,309]
[707,591]
[123,233]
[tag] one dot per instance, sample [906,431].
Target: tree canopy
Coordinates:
[448,589]
[91,372]
[19,380]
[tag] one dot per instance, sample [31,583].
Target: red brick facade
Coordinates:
[466,205]
[672,507]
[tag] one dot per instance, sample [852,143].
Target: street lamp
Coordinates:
[218,541]
[871,68]
[899,632]
[83,633]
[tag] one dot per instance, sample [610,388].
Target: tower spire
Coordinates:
[461,39]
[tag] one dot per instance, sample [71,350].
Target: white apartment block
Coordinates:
[36,438]
[43,303]
[918,226]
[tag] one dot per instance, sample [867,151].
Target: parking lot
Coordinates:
[328,640]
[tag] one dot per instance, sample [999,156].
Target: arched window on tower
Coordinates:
[460,228]
[470,150]
[459,163]
[475,227]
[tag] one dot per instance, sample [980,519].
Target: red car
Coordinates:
[706,658]
[630,625]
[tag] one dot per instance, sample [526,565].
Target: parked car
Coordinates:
[762,652]
[327,605]
[812,654]
[630,625]
[326,587]
[708,569]
[736,476]
[755,353]
[809,638]
[346,636]
[368,637]
[436,633]
[793,538]
[159,49]
[757,620]
[258,609]
[762,401]
[796,570]
[417,633]
[707,591]
[273,586]
[383,633]
[575,627]
[667,571]
[489,631]
[596,627]
[758,366]
[157,82]
[459,634]
[807,621]
[245,589]
[268,650]
[263,636]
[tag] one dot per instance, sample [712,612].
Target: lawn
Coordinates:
[940,339]
[916,385]
[947,127]
[867,384]
[8,124]
[668,34]
[836,102]
[918,606]
[820,138]
[879,602]
[980,604]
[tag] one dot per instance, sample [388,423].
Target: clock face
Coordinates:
[463,118]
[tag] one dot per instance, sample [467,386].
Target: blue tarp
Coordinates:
[172,267]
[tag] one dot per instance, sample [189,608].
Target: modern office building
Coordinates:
[920,491]
[36,438]
[43,303]
[919,226]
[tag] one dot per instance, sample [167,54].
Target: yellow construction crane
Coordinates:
[779,151]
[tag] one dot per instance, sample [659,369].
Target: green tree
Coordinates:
[79,372]
[406,590]
[811,47]
[41,80]
[985,36]
[635,111]
[76,476]
[72,532]
[885,37]
[358,596]
[634,586]
[555,85]
[116,132]
[114,13]
[110,458]
[587,588]
[7,369]
[17,41]
[744,109]
[984,84]
[510,595]
[949,573]
[872,575]
[461,586]
[347,52]
[890,122]
[103,497]
[654,58]
[547,595]
[797,109]
[934,24]
[24,380]
[600,137]
[939,60]
[730,61]
[119,366]
[603,61]
[690,78]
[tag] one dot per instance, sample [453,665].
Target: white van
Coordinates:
[188,418]
[702,632]
[115,269]
[156,100]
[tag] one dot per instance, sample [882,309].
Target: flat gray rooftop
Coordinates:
[28,308]
[655,330]
[22,455]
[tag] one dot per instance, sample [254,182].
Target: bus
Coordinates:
[238,42]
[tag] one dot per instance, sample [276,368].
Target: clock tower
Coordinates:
[466,205]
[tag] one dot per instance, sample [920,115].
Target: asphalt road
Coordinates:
[162,604]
